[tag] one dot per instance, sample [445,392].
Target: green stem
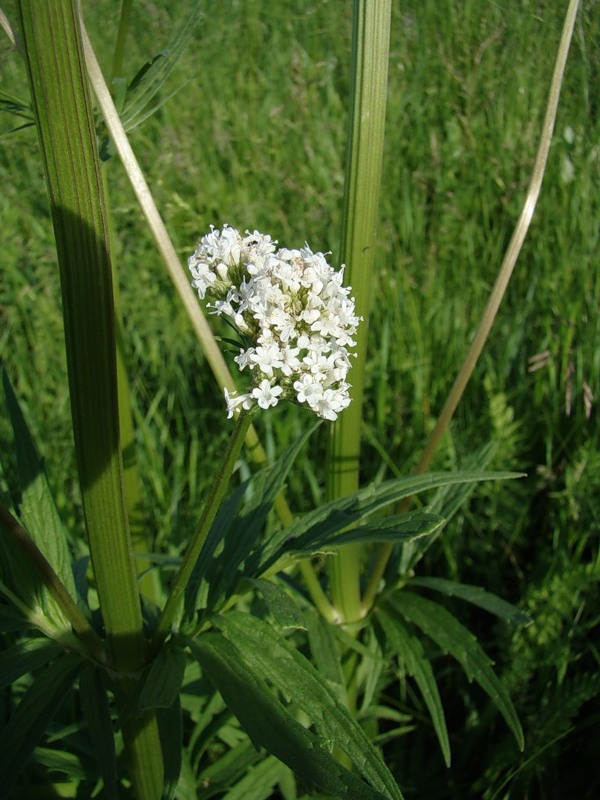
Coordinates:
[149,583]
[181,283]
[61,100]
[370,49]
[213,501]
[498,291]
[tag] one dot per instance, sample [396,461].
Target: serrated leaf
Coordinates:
[477,596]
[31,717]
[96,711]
[37,508]
[453,638]
[269,724]
[337,515]
[25,657]
[268,654]
[286,614]
[400,528]
[411,653]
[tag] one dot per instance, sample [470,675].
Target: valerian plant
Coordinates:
[244,646]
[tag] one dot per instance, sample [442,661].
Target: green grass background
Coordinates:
[254,135]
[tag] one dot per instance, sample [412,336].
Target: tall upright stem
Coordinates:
[61,100]
[370,51]
[209,512]
[498,290]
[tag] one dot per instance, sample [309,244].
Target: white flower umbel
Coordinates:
[290,307]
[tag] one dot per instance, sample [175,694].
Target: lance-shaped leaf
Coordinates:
[37,508]
[96,711]
[271,725]
[409,650]
[477,596]
[214,577]
[453,638]
[25,657]
[323,523]
[31,717]
[267,653]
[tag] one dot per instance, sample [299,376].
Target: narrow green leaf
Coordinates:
[330,518]
[170,726]
[285,612]
[453,638]
[446,501]
[11,619]
[265,652]
[96,711]
[325,650]
[22,585]
[214,578]
[146,84]
[259,782]
[477,596]
[411,654]
[59,761]
[223,773]
[25,657]
[400,529]
[37,508]
[31,717]
[270,725]
[163,681]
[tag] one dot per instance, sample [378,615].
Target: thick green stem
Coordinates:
[498,291]
[61,100]
[370,48]
[213,501]
[181,283]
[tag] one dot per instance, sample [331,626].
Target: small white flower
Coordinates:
[233,401]
[266,395]
[293,311]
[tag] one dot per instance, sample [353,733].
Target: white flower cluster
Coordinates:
[292,311]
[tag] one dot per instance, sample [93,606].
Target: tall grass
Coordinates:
[255,136]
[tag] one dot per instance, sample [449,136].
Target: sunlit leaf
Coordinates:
[271,725]
[268,654]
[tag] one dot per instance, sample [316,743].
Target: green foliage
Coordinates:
[28,723]
[240,665]
[250,128]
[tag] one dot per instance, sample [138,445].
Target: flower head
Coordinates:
[295,315]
